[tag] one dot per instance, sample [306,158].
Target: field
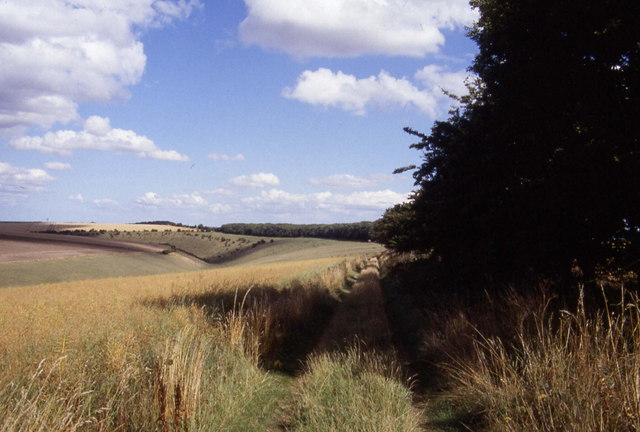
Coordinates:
[300,335]
[57,226]
[28,256]
[246,348]
[235,249]
[286,334]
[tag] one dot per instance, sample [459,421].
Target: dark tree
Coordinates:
[538,171]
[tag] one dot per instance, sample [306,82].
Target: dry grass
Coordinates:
[97,356]
[193,352]
[352,391]
[571,372]
[60,317]
[353,380]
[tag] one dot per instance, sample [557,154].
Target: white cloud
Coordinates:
[58,53]
[379,200]
[76,197]
[344,28]
[97,135]
[152,199]
[17,180]
[349,181]
[258,180]
[224,157]
[325,88]
[57,166]
[437,78]
[280,201]
[193,200]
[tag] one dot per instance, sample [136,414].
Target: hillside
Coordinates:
[213,247]
[28,257]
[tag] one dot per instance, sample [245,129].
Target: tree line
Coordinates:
[359,231]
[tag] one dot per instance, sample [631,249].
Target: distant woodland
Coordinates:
[340,231]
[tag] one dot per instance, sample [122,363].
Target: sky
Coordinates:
[213,112]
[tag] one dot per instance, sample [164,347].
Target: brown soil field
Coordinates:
[18,243]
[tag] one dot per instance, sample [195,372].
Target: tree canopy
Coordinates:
[538,170]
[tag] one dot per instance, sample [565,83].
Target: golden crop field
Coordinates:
[42,320]
[112,354]
[186,352]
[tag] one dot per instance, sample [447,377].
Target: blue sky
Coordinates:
[220,111]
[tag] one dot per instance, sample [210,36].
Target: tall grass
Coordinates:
[97,356]
[197,352]
[572,372]
[352,391]
[196,383]
[353,380]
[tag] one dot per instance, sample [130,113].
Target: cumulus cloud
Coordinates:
[190,200]
[349,181]
[224,157]
[97,135]
[275,200]
[18,180]
[58,53]
[345,28]
[258,180]
[339,90]
[76,197]
[57,166]
[193,200]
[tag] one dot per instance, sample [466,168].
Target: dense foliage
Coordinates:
[538,171]
[339,231]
